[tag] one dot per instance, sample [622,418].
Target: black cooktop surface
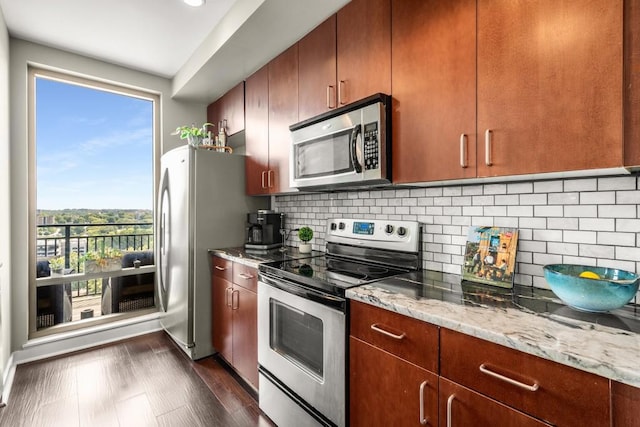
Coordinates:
[327,273]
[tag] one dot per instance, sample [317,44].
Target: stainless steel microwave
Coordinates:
[347,147]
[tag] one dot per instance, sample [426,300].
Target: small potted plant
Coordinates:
[305,234]
[56,266]
[194,135]
[106,259]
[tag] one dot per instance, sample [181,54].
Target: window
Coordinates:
[91,201]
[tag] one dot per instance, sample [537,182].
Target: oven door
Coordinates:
[301,342]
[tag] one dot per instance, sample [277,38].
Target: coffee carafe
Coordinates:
[263,230]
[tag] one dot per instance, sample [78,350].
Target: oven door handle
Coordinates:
[304,292]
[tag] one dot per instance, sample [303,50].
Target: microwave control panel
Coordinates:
[371,146]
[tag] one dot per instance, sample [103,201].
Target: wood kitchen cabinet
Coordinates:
[541,101]
[271,107]
[257,132]
[283,112]
[235,307]
[228,109]
[346,58]
[558,394]
[549,86]
[632,83]
[625,402]
[461,407]
[434,81]
[393,365]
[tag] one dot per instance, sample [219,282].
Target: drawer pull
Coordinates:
[527,387]
[463,151]
[487,148]
[236,300]
[376,328]
[423,419]
[220,268]
[449,406]
[246,276]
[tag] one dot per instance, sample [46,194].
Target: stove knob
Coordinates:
[333,226]
[341,226]
[402,231]
[388,229]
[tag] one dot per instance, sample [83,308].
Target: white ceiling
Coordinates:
[205,50]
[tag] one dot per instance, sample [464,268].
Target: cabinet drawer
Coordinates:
[410,339]
[558,394]
[245,276]
[221,267]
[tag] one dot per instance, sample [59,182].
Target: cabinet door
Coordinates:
[632,83]
[283,112]
[461,407]
[549,85]
[625,402]
[257,132]
[230,109]
[317,70]
[364,49]
[245,334]
[222,317]
[388,391]
[434,82]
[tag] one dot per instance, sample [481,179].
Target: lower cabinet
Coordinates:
[389,391]
[625,404]
[235,308]
[461,407]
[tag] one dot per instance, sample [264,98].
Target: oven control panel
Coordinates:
[386,234]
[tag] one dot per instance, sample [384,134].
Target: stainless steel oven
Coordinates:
[350,146]
[303,317]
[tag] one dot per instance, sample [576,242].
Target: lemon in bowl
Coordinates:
[590,288]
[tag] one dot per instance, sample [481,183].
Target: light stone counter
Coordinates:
[532,321]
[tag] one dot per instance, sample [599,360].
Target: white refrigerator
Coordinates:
[201,205]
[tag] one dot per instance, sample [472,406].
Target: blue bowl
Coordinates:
[612,290]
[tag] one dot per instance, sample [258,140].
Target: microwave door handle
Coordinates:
[354,149]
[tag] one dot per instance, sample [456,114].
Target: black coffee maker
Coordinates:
[263,230]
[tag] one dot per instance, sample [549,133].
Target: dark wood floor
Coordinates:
[143,381]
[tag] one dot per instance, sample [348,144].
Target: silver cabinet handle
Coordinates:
[487,147]
[485,370]
[330,89]
[463,150]
[449,406]
[376,328]
[246,276]
[341,90]
[229,304]
[237,300]
[269,172]
[220,268]
[423,419]
[263,173]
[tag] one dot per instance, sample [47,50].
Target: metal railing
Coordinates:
[73,242]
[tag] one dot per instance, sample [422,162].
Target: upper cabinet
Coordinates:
[346,58]
[364,49]
[632,83]
[549,86]
[229,109]
[434,82]
[257,132]
[540,102]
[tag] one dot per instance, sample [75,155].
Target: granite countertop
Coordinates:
[523,318]
[253,258]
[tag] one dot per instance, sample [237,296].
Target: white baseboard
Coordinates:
[68,342]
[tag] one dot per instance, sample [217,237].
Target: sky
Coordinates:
[93,148]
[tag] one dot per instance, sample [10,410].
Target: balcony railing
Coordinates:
[73,241]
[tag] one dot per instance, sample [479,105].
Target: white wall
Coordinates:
[5,226]
[22,53]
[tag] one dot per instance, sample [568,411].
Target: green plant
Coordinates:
[305,234]
[56,263]
[103,255]
[192,131]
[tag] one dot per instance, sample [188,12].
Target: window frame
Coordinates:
[33,72]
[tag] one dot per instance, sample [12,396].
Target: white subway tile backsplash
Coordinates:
[592,221]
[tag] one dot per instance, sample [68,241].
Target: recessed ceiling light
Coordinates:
[194,3]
